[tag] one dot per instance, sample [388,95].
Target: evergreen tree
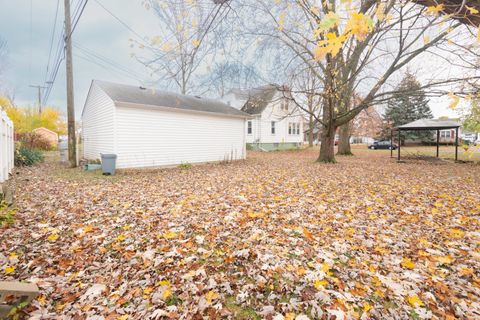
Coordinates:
[409,103]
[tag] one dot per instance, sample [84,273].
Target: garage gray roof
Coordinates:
[430,124]
[138,95]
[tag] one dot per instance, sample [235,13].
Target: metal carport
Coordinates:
[427,125]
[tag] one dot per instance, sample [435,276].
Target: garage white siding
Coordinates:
[98,124]
[151,136]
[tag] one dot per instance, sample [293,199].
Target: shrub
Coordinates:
[27,157]
[34,140]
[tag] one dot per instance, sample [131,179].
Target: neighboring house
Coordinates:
[276,125]
[366,126]
[47,135]
[149,127]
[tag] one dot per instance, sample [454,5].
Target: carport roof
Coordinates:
[429,124]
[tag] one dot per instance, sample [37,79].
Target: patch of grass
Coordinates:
[6,214]
[239,312]
[185,166]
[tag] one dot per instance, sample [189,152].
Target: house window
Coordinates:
[294,128]
[273,127]
[284,105]
[249,127]
[445,134]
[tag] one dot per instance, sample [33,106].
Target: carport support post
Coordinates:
[456,144]
[438,140]
[391,143]
[399,144]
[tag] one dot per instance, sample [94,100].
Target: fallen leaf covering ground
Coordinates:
[276,236]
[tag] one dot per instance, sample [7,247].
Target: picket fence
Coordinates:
[7,146]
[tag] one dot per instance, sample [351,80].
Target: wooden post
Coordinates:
[399,144]
[456,144]
[391,143]
[438,141]
[72,149]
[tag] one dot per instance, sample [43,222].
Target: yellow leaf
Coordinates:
[472,10]
[444,259]
[147,290]
[454,101]
[9,270]
[367,307]
[414,301]
[457,233]
[196,42]
[13,255]
[466,272]
[426,40]
[167,293]
[210,296]
[52,237]
[170,235]
[307,234]
[380,12]
[359,25]
[320,284]
[290,316]
[121,237]
[407,263]
[87,229]
[478,34]
[164,283]
[435,10]
[42,300]
[124,317]
[126,227]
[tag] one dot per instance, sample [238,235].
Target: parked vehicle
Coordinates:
[382,145]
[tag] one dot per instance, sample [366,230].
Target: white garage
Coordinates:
[149,128]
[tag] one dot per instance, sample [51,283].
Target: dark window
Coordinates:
[298,128]
[249,127]
[273,127]
[289,128]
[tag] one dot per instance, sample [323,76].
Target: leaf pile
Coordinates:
[277,237]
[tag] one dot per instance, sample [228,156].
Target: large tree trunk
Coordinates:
[310,132]
[344,140]
[327,146]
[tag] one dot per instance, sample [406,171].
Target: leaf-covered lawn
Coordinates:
[277,236]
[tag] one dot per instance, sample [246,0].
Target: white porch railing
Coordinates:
[7,146]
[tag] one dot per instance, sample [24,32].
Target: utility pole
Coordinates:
[39,96]
[72,142]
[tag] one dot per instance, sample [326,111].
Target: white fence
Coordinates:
[7,146]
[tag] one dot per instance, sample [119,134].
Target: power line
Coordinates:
[51,40]
[121,21]
[94,55]
[78,11]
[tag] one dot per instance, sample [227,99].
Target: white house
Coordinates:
[277,124]
[148,127]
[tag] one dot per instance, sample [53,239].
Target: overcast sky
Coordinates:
[102,50]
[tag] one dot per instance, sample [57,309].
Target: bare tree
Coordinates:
[185,41]
[227,75]
[360,46]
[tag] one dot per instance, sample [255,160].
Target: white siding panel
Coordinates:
[148,137]
[98,119]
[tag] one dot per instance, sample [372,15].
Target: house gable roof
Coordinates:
[121,93]
[259,98]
